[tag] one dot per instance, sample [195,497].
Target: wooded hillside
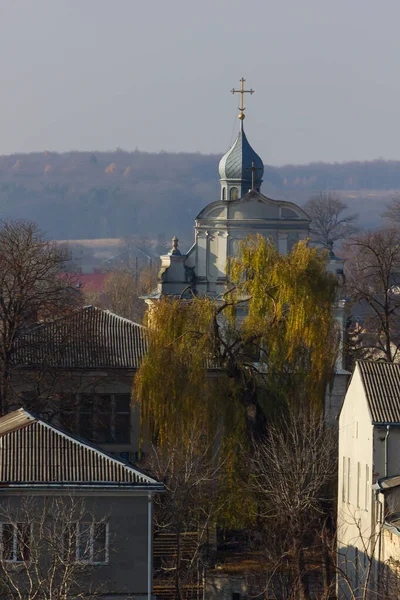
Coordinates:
[114,194]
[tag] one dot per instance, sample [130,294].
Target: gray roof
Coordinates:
[382,388]
[34,452]
[88,338]
[237,162]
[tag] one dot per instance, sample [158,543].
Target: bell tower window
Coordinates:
[234,195]
[224,193]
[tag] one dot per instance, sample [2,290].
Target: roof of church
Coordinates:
[382,389]
[237,162]
[88,338]
[35,452]
[294,211]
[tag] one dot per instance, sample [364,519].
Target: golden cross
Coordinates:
[242,92]
[253,170]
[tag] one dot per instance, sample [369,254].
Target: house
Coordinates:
[78,371]
[369,478]
[71,515]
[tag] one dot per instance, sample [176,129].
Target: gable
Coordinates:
[39,453]
[254,208]
[254,205]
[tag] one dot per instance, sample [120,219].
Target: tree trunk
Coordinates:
[178,592]
[325,561]
[301,576]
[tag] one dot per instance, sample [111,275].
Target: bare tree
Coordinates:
[373,280]
[186,514]
[294,470]
[392,212]
[43,553]
[32,289]
[329,224]
[122,292]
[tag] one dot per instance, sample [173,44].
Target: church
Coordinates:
[243,210]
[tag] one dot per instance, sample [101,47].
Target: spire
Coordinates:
[240,169]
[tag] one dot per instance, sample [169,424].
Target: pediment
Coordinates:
[215,210]
[254,205]
[266,208]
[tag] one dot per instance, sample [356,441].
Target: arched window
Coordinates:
[224,193]
[234,193]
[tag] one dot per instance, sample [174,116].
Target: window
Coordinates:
[358,483]
[367,488]
[15,541]
[348,480]
[104,418]
[234,194]
[344,480]
[87,543]
[224,193]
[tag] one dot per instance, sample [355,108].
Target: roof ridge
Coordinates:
[83,442]
[82,309]
[75,439]
[123,319]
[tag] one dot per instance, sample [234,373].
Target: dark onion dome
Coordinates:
[237,162]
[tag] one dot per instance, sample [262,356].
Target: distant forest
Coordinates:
[81,195]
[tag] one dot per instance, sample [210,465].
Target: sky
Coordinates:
[156,75]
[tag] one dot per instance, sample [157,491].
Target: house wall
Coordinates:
[356,502]
[126,573]
[48,393]
[386,444]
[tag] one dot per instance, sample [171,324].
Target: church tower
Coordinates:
[242,210]
[240,169]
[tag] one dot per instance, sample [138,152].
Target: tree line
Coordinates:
[79,195]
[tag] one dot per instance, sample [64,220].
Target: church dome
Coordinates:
[238,161]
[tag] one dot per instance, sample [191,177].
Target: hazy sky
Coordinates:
[156,75]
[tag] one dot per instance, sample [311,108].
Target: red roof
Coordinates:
[93,282]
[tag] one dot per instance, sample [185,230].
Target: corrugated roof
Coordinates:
[382,387]
[89,338]
[32,451]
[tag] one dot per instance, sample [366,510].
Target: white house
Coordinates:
[369,480]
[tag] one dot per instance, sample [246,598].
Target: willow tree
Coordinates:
[267,344]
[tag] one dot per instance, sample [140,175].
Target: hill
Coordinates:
[77,195]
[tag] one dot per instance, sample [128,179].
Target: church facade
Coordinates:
[242,210]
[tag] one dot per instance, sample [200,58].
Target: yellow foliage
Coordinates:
[201,363]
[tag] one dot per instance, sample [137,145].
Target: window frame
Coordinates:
[234,193]
[76,550]
[348,480]
[76,416]
[367,488]
[15,549]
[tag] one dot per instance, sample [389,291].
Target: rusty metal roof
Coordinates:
[88,338]
[382,388]
[35,452]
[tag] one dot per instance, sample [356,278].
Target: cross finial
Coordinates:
[242,92]
[253,170]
